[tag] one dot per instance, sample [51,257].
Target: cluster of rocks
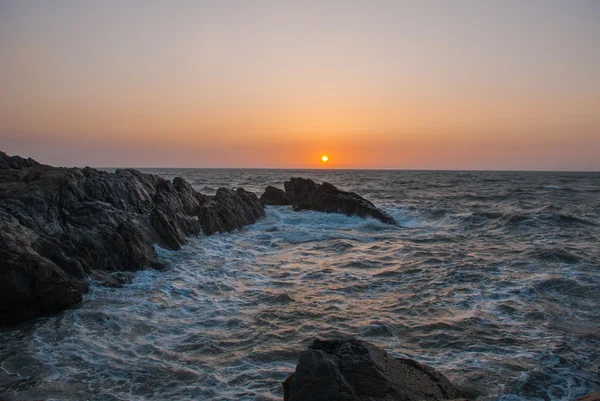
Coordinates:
[59,227]
[302,193]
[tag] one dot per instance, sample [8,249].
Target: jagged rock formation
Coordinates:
[15,162]
[229,210]
[61,226]
[355,370]
[304,193]
[274,196]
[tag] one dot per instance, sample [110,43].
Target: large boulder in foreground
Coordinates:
[306,194]
[355,370]
[61,227]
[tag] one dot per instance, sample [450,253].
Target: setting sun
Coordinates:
[324,158]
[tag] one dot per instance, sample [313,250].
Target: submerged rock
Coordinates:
[274,196]
[59,227]
[304,193]
[355,370]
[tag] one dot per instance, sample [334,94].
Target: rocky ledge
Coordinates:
[302,193]
[355,370]
[61,227]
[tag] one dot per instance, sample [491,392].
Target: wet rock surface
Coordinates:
[355,370]
[304,193]
[59,227]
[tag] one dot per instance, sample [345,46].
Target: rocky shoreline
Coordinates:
[61,227]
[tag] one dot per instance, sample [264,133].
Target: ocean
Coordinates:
[492,278]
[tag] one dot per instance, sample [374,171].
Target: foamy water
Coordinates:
[492,278]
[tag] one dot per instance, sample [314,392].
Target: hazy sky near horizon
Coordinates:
[373,84]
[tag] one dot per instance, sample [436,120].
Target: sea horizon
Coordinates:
[340,169]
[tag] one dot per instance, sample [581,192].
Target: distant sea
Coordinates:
[493,278]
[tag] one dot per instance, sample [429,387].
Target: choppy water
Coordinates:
[492,278]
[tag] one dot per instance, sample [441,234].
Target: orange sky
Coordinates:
[423,85]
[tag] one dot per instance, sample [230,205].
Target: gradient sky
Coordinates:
[373,84]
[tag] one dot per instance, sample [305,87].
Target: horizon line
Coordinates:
[348,169]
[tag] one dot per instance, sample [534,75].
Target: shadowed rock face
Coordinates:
[306,194]
[229,210]
[354,370]
[15,162]
[274,196]
[61,226]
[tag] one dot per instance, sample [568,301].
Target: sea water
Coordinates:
[492,278]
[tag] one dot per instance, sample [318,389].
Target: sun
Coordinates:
[324,158]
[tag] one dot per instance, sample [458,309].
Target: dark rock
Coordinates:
[60,227]
[190,199]
[115,279]
[174,229]
[230,210]
[16,162]
[306,194]
[30,284]
[274,196]
[355,370]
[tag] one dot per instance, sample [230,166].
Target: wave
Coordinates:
[566,219]
[544,217]
[564,288]
[555,254]
[554,380]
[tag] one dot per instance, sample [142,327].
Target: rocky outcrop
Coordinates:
[15,162]
[274,196]
[355,370]
[11,165]
[59,227]
[229,210]
[304,193]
